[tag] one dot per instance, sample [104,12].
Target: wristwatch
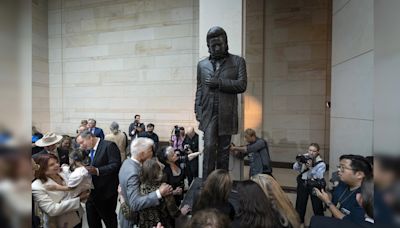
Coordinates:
[329,204]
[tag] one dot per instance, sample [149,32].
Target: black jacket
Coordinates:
[108,160]
[232,77]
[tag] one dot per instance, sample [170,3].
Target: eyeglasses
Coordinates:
[342,168]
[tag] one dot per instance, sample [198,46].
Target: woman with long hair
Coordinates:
[58,211]
[150,180]
[215,193]
[255,210]
[288,216]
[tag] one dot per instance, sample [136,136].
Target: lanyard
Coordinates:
[339,204]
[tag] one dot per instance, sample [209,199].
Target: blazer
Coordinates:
[63,155]
[98,132]
[130,190]
[56,211]
[122,142]
[107,160]
[232,81]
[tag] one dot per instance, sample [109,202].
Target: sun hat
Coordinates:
[48,140]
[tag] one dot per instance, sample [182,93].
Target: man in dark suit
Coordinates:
[220,78]
[105,162]
[98,132]
[49,143]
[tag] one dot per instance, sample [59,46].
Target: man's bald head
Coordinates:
[190,132]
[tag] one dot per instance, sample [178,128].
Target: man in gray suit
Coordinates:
[141,150]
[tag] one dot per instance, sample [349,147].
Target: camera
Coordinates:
[176,130]
[303,158]
[186,147]
[316,183]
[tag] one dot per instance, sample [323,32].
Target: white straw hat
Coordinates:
[48,140]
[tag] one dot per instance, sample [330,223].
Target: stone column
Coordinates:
[228,15]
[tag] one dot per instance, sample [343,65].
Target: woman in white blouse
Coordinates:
[58,211]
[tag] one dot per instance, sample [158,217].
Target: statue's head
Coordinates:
[217,42]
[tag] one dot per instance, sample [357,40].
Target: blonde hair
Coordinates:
[279,200]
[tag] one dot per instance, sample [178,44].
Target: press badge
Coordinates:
[345,211]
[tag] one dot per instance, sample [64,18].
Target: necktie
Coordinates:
[91,156]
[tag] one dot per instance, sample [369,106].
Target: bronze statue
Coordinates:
[220,77]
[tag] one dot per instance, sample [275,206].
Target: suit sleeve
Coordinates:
[114,160]
[238,85]
[199,95]
[101,134]
[137,201]
[52,208]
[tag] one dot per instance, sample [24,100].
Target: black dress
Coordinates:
[175,181]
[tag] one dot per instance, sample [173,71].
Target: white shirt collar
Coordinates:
[97,144]
[136,161]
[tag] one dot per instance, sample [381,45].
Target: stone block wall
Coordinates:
[296,76]
[40,67]
[110,60]
[352,78]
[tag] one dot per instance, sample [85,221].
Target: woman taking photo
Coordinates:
[56,211]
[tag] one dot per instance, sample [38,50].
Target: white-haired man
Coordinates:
[141,150]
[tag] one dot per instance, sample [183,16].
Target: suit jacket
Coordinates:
[58,212]
[232,81]
[129,182]
[121,140]
[63,155]
[98,132]
[108,160]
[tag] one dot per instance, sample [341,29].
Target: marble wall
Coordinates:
[110,60]
[386,81]
[296,76]
[40,67]
[352,117]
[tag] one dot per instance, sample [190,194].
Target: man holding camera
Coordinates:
[136,127]
[311,168]
[257,151]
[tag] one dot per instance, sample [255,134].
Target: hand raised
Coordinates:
[165,189]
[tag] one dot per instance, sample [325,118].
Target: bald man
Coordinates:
[191,142]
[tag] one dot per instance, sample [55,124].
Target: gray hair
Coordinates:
[86,134]
[114,127]
[139,145]
[169,151]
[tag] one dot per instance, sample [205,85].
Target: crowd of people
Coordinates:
[96,171]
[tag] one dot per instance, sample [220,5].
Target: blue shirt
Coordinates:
[348,203]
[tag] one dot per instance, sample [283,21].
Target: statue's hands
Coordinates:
[212,82]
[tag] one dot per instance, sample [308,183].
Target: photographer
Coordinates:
[257,151]
[177,137]
[136,127]
[311,168]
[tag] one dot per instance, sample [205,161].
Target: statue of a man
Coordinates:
[220,78]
